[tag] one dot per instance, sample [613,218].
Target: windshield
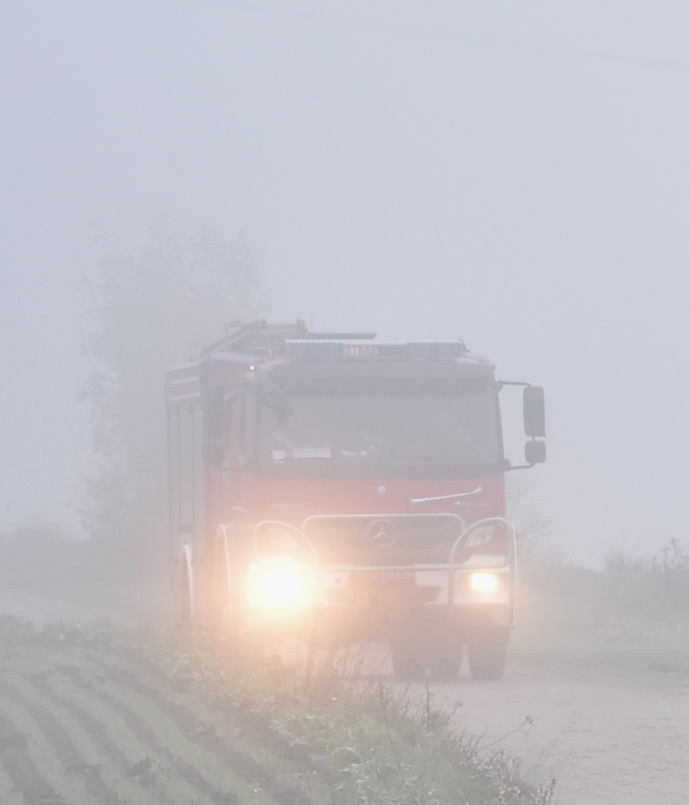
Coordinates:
[413,433]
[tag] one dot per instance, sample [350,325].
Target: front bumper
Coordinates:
[361,604]
[361,600]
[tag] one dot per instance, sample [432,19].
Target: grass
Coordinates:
[146,717]
[138,716]
[375,741]
[634,614]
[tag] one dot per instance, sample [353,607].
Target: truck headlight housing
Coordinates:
[484,582]
[482,587]
[280,585]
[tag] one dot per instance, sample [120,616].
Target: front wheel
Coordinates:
[420,653]
[487,654]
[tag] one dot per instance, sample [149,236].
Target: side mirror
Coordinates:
[534,413]
[534,452]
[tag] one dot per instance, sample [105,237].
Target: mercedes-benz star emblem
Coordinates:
[382,533]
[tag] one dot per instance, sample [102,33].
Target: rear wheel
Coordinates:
[487,654]
[445,661]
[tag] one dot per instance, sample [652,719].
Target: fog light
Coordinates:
[280,584]
[483,582]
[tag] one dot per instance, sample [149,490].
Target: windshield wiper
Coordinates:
[438,498]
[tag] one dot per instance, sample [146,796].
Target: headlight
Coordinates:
[280,584]
[483,582]
[482,587]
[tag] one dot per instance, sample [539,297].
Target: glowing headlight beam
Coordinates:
[280,584]
[483,582]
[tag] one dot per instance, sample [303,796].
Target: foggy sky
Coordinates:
[512,174]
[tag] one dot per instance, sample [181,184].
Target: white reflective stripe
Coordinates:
[188,562]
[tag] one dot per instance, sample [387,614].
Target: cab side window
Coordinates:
[234,425]
[239,434]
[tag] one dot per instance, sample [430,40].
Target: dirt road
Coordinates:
[607,739]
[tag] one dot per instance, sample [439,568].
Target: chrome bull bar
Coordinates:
[502,564]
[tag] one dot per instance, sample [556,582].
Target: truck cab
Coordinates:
[340,488]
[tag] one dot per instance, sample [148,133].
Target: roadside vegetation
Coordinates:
[633,614]
[321,734]
[97,714]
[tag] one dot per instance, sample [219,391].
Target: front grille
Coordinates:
[386,540]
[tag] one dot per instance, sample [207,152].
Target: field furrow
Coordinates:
[232,769]
[83,766]
[95,748]
[136,768]
[105,716]
[9,794]
[263,764]
[31,762]
[182,776]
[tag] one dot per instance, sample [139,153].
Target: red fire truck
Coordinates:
[342,488]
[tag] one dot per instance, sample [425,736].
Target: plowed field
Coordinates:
[79,725]
[92,715]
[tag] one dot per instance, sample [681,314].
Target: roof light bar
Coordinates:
[436,350]
[327,350]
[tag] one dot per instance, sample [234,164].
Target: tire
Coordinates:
[445,662]
[487,654]
[421,655]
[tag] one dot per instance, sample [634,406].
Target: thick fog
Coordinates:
[512,174]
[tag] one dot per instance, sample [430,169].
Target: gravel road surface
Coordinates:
[606,738]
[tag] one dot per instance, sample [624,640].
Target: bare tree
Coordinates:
[149,310]
[532,520]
